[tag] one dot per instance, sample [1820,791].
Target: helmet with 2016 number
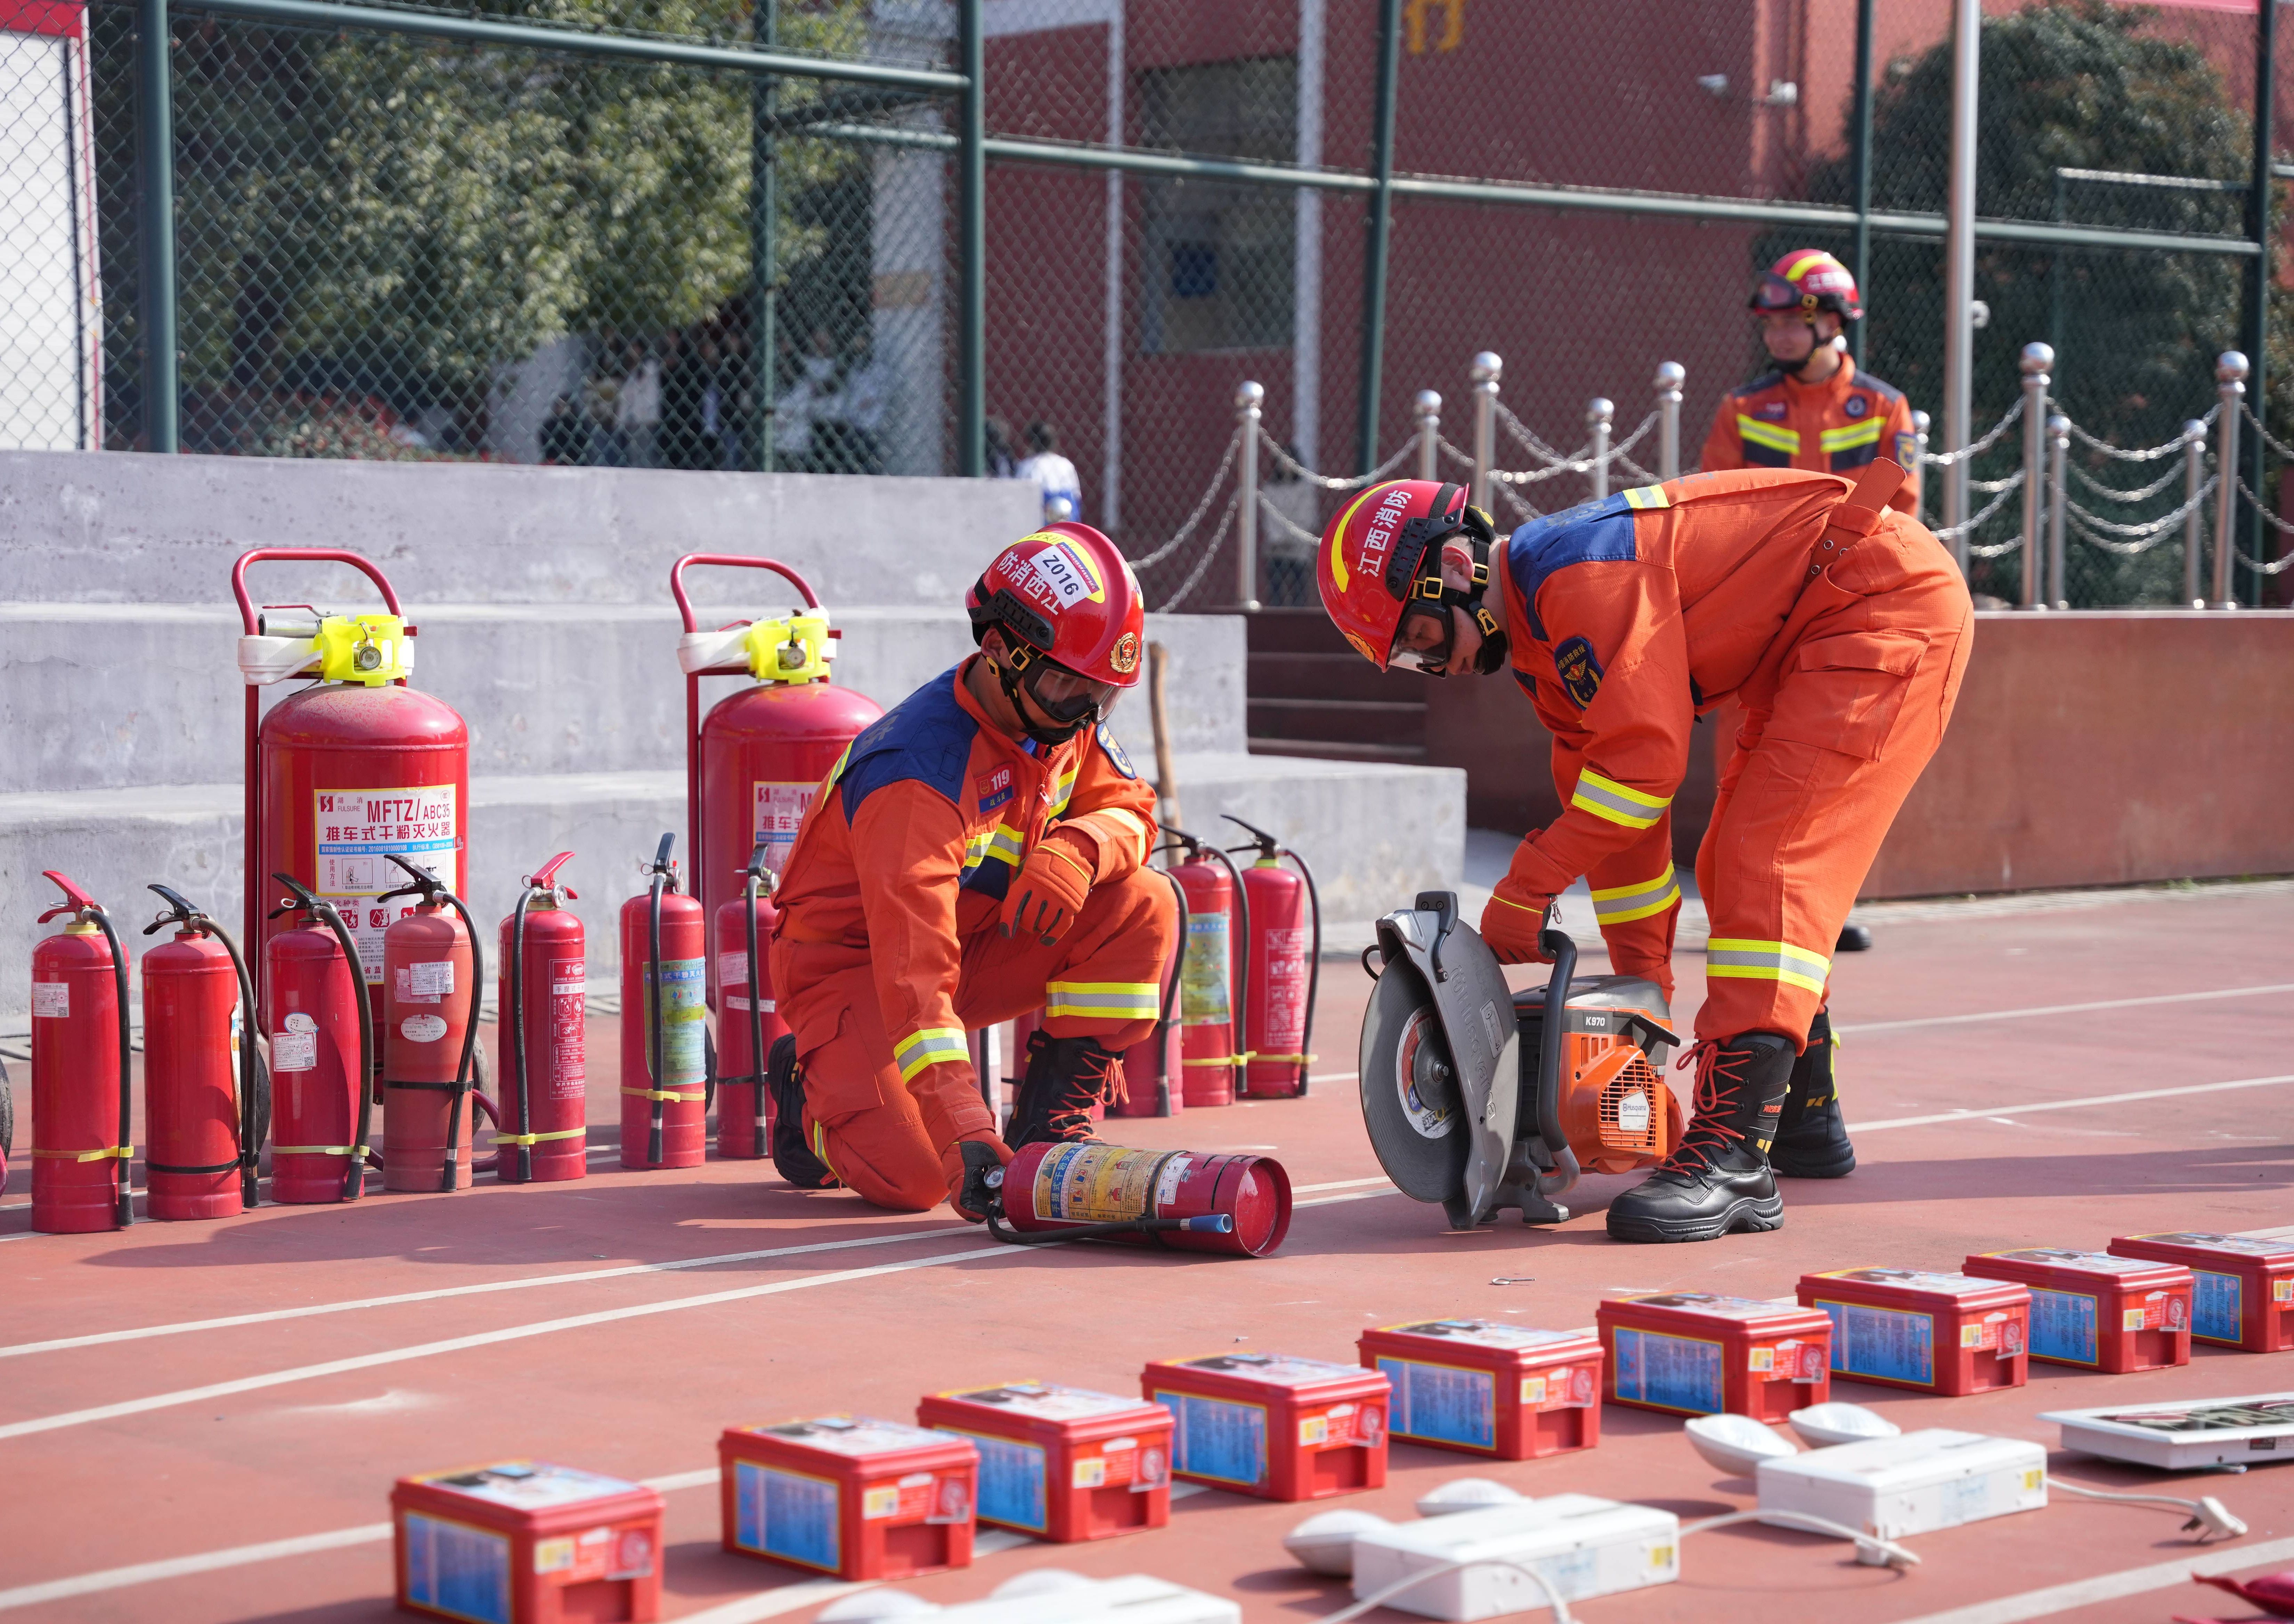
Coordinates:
[1068,596]
[1378,550]
[1807,280]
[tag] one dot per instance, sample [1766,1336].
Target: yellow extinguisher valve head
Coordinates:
[371,649]
[797,649]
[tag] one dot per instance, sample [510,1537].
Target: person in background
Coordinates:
[867,399]
[565,434]
[637,409]
[1001,463]
[1052,472]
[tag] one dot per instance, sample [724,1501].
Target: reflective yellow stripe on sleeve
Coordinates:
[1758,433]
[1117,1001]
[1747,960]
[1625,903]
[1865,433]
[1618,802]
[933,1046]
[1646,496]
[1061,791]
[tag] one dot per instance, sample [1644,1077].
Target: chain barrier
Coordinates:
[1968,526]
[2143,536]
[1528,437]
[1991,487]
[2284,451]
[1194,577]
[2130,497]
[2150,454]
[1463,457]
[1283,521]
[1201,508]
[2276,566]
[1296,470]
[1945,458]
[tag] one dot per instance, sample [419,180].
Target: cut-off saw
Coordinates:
[1480,1097]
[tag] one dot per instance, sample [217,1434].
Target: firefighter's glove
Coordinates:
[1511,922]
[1049,890]
[967,1165]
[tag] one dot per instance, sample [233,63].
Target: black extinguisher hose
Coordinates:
[354,1175]
[654,990]
[125,1213]
[465,1075]
[252,1124]
[1313,966]
[756,1077]
[516,1015]
[1170,1001]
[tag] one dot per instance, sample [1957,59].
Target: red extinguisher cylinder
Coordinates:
[1210,1048]
[321,1036]
[1282,968]
[542,1041]
[748,1020]
[1151,1070]
[82,1101]
[191,1043]
[432,971]
[664,1023]
[1183,1200]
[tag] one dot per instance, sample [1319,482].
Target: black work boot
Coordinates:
[1811,1139]
[1717,1178]
[792,1158]
[1066,1077]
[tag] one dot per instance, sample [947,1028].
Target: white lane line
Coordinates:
[1335,1184]
[2013,1014]
[1975,1115]
[453,1344]
[2108,1587]
[479,1288]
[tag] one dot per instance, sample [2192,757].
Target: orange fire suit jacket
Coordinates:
[919,830]
[1836,427]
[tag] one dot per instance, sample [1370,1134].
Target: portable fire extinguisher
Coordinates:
[204,1102]
[432,973]
[664,1021]
[1284,966]
[541,1058]
[1211,1058]
[348,772]
[754,764]
[322,1039]
[1151,1066]
[750,1023]
[83,1108]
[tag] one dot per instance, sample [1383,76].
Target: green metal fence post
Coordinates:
[2257,285]
[971,246]
[1381,228]
[764,249]
[1862,115]
[155,159]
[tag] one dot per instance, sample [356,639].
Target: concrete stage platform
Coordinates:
[202,1421]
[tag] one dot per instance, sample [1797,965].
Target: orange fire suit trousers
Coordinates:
[858,1116]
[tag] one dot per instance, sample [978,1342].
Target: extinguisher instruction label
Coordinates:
[51,1000]
[778,812]
[458,1570]
[357,830]
[1203,987]
[1096,1184]
[294,1051]
[683,1013]
[1286,989]
[569,990]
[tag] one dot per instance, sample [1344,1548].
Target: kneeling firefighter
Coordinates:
[977,854]
[1843,629]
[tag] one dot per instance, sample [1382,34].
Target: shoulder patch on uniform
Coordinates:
[1114,755]
[1579,671]
[1907,451]
[1857,406]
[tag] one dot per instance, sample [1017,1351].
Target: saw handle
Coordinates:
[1561,947]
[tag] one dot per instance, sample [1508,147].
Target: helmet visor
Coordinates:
[1423,639]
[1068,696]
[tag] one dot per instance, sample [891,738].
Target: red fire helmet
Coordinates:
[1810,279]
[1067,595]
[1378,553]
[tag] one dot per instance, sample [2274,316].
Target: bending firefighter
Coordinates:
[977,854]
[1841,627]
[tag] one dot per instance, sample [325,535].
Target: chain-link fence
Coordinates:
[529,232]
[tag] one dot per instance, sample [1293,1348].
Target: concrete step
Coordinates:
[1303,630]
[1340,749]
[1345,675]
[1357,721]
[102,696]
[1372,832]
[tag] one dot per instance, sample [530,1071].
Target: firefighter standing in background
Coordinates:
[977,854]
[1842,627]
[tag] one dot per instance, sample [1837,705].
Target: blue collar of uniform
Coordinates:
[1589,532]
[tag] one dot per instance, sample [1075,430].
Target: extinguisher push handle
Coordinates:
[298,900]
[545,877]
[1263,842]
[730,560]
[75,900]
[306,555]
[179,910]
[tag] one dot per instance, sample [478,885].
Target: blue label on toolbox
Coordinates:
[785,1514]
[2063,1326]
[1672,1372]
[1442,1403]
[1893,1344]
[454,1568]
[1215,1439]
[1010,1481]
[2214,1306]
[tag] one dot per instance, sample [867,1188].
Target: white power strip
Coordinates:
[1913,1484]
[1472,1560]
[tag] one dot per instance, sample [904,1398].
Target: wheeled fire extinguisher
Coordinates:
[321,1036]
[82,1106]
[1151,1072]
[346,773]
[754,764]
[205,1105]
[751,1022]
[432,973]
[1284,966]
[664,1023]
[1211,1056]
[541,1054]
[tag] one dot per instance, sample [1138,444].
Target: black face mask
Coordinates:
[1489,658]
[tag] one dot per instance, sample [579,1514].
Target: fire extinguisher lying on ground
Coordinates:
[1235,1204]
[432,973]
[750,1023]
[542,1056]
[1282,967]
[664,1021]
[205,1098]
[1211,1056]
[83,1110]
[321,1044]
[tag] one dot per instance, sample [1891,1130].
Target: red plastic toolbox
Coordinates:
[524,1542]
[1692,1353]
[2242,1289]
[847,1494]
[1952,1335]
[1060,1463]
[2107,1313]
[1490,1387]
[1280,1428]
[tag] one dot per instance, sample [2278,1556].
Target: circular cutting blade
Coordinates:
[1409,1098]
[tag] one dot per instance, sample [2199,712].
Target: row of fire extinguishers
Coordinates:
[362,970]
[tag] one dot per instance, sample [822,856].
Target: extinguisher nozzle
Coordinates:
[1209,1223]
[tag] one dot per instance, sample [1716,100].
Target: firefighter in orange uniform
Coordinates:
[1840,626]
[977,854]
[1814,409]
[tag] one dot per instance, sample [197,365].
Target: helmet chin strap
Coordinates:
[1008,679]
[1431,589]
